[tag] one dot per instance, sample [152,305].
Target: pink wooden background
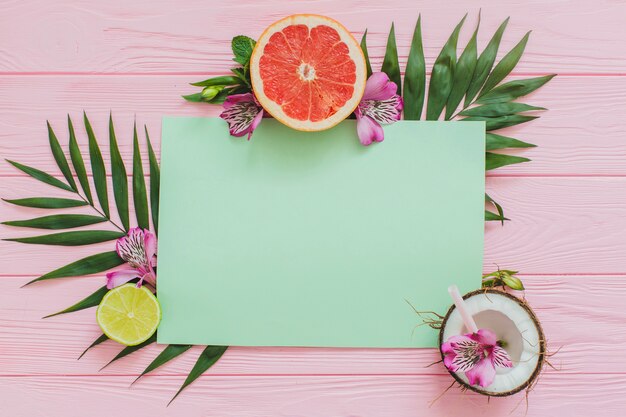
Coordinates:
[567,236]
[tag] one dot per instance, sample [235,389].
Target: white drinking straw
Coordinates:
[468,320]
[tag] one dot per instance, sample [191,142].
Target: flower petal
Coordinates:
[383,111]
[255,122]
[482,374]
[238,98]
[500,358]
[150,245]
[369,130]
[117,278]
[131,247]
[242,114]
[485,337]
[468,354]
[378,87]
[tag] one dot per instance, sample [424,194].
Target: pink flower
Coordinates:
[476,354]
[380,105]
[138,249]
[242,113]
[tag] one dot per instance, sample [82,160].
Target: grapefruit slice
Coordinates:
[308,72]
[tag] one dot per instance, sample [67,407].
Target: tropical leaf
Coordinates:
[415,76]
[514,89]
[207,358]
[120,180]
[501,142]
[496,160]
[505,66]
[47,202]
[87,302]
[216,81]
[463,73]
[131,349]
[484,64]
[495,123]
[85,266]
[169,353]
[155,180]
[490,216]
[97,168]
[391,67]
[60,158]
[103,338]
[78,162]
[499,109]
[58,221]
[78,238]
[139,186]
[366,55]
[41,176]
[442,76]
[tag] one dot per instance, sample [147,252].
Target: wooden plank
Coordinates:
[365,396]
[570,309]
[117,37]
[560,225]
[581,134]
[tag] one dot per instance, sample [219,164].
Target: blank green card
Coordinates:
[311,239]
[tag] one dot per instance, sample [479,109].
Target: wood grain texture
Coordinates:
[165,37]
[558,226]
[581,134]
[28,342]
[300,396]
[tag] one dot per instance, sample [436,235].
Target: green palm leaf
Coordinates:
[208,357]
[139,186]
[415,76]
[495,123]
[41,176]
[85,266]
[484,64]
[505,66]
[514,89]
[120,180]
[463,73]
[155,180]
[442,76]
[46,202]
[169,353]
[496,160]
[490,216]
[391,67]
[103,338]
[78,238]
[368,65]
[131,349]
[501,142]
[78,162]
[91,300]
[97,168]
[499,109]
[58,221]
[60,158]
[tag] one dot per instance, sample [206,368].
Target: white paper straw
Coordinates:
[468,320]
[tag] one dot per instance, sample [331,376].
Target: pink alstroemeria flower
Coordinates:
[379,105]
[138,248]
[476,354]
[242,113]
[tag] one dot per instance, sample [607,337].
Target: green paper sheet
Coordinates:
[311,239]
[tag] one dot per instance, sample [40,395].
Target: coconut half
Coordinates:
[515,325]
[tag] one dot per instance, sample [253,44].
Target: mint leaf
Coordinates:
[242,49]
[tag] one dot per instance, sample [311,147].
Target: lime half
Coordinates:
[129,315]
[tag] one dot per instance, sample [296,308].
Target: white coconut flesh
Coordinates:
[515,326]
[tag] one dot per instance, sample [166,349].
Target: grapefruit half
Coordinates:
[308,72]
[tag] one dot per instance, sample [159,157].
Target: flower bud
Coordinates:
[512,282]
[208,93]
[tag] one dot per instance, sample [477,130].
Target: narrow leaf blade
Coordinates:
[169,353]
[505,66]
[489,216]
[78,163]
[91,300]
[120,180]
[221,80]
[97,168]
[495,123]
[501,142]
[391,67]
[47,202]
[59,157]
[155,181]
[463,73]
[368,65]
[41,176]
[58,221]
[499,109]
[415,76]
[131,349]
[139,186]
[496,160]
[208,357]
[514,89]
[77,238]
[85,266]
[103,338]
